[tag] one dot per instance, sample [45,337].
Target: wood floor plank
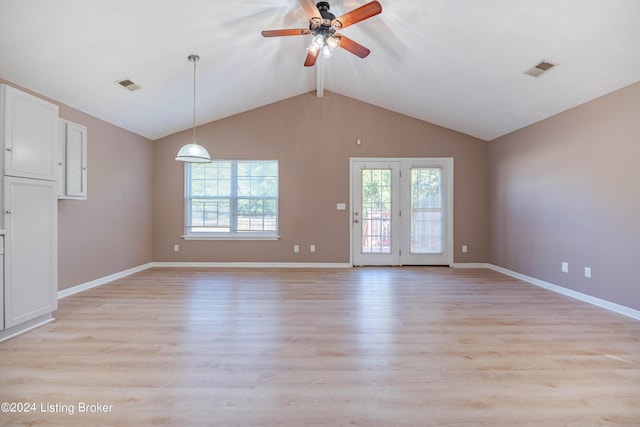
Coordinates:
[415,346]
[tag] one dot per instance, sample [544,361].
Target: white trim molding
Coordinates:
[617,308]
[470,265]
[252,264]
[26,326]
[110,278]
[103,280]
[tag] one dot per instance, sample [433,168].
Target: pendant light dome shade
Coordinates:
[194,152]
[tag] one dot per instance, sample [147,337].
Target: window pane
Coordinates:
[376,211]
[426,210]
[218,177]
[197,171]
[257,178]
[212,214]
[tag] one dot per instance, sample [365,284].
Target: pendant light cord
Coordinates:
[193,152]
[194,59]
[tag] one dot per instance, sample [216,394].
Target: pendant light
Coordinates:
[194,152]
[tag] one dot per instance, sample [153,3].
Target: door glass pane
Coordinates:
[426,210]
[376,211]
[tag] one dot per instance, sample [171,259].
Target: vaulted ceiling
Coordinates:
[459,64]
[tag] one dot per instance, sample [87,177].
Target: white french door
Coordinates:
[402,211]
[375,212]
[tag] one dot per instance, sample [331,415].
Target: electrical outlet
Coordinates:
[565,267]
[464,249]
[312,248]
[176,248]
[296,248]
[587,272]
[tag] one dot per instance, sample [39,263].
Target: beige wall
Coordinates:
[564,189]
[110,231]
[568,189]
[313,139]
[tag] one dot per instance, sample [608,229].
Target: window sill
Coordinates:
[234,237]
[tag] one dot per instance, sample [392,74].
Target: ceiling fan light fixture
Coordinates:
[318,41]
[325,43]
[193,152]
[333,42]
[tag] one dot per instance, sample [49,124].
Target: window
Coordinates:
[232,199]
[426,210]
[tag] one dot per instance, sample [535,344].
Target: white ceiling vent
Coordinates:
[540,68]
[128,84]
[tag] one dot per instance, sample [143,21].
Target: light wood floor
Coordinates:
[289,347]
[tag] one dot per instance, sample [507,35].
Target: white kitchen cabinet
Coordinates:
[72,160]
[29,133]
[2,282]
[30,263]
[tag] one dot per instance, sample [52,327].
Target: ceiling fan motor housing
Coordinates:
[323,6]
[327,25]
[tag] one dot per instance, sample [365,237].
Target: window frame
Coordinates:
[233,198]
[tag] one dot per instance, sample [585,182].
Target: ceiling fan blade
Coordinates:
[291,32]
[360,14]
[310,8]
[353,47]
[311,59]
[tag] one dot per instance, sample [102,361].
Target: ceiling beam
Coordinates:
[320,66]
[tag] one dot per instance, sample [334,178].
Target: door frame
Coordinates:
[448,163]
[384,258]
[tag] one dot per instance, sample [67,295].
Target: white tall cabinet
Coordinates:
[30,244]
[29,130]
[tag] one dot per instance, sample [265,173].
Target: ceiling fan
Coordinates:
[323,26]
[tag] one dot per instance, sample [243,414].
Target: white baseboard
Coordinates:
[470,265]
[110,278]
[101,281]
[253,264]
[26,326]
[617,308]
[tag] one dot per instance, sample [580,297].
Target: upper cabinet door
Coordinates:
[29,133]
[72,152]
